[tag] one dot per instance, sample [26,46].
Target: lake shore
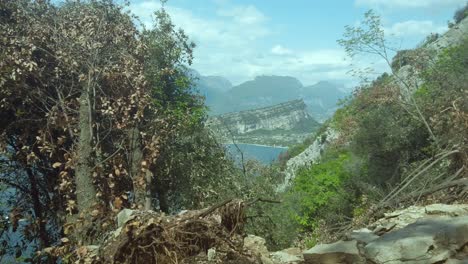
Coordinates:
[252,144]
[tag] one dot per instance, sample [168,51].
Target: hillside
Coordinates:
[109,155]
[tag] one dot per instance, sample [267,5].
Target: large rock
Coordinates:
[364,236]
[341,252]
[287,256]
[401,218]
[428,240]
[257,245]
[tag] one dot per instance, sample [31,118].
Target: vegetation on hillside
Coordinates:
[398,143]
[99,113]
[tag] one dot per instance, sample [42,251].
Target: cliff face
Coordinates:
[309,156]
[408,76]
[289,117]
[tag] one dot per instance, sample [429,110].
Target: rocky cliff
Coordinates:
[407,76]
[309,156]
[279,123]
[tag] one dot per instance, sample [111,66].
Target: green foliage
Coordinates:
[443,96]
[315,187]
[368,37]
[402,58]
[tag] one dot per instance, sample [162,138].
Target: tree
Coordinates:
[72,81]
[369,38]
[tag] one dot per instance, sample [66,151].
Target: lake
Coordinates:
[265,154]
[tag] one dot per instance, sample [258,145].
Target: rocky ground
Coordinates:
[431,234]
[436,233]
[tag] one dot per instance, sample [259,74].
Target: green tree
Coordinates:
[369,38]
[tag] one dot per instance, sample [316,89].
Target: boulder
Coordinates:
[363,235]
[401,218]
[428,240]
[256,244]
[287,256]
[341,252]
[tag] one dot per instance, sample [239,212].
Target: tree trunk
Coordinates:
[148,196]
[85,190]
[37,208]
[136,157]
[162,196]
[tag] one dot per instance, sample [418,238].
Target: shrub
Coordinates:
[319,187]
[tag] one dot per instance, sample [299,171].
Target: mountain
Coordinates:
[214,89]
[322,98]
[264,91]
[217,83]
[221,97]
[281,124]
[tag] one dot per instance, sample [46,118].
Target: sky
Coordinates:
[241,39]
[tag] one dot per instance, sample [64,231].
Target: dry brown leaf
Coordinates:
[118,203]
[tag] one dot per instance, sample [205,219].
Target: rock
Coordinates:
[380,230]
[266,260]
[282,257]
[341,252]
[211,254]
[363,236]
[256,245]
[404,217]
[293,251]
[456,261]
[429,240]
[124,216]
[310,155]
[447,209]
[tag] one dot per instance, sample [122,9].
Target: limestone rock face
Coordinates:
[425,241]
[341,252]
[436,233]
[409,76]
[288,120]
[401,218]
[309,156]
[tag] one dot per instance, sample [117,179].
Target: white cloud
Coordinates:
[414,28]
[248,15]
[230,44]
[280,50]
[410,3]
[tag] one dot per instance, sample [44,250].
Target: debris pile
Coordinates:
[211,235]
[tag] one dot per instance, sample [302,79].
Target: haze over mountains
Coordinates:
[222,97]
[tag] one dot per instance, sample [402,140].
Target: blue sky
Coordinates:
[240,39]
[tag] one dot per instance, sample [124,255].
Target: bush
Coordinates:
[319,188]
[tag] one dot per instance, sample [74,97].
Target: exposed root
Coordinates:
[155,238]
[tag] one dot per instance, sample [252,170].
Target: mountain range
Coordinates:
[222,97]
